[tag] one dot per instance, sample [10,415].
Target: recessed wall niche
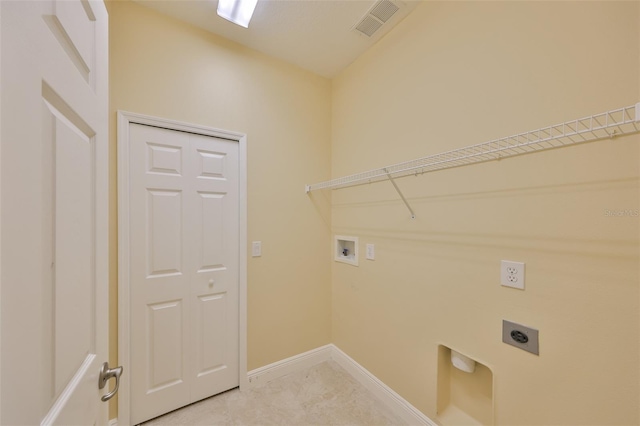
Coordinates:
[463,398]
[346,249]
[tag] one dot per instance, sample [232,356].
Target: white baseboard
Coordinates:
[113,422]
[400,406]
[289,365]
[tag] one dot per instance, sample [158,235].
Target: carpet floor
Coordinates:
[324,394]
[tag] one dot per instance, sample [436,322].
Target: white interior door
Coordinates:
[53,247]
[184,266]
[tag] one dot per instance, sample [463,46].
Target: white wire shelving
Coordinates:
[606,125]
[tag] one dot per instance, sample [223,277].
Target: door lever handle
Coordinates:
[105,374]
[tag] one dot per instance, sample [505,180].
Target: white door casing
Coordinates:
[182,279]
[54,197]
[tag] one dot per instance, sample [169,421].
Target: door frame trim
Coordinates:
[125,119]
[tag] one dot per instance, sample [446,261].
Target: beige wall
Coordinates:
[162,67]
[459,73]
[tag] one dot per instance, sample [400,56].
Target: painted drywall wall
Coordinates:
[454,74]
[165,68]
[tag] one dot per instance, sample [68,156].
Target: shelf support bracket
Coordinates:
[404,200]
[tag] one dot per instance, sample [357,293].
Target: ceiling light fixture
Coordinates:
[237,11]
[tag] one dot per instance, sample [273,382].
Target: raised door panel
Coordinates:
[74,27]
[164,159]
[165,339]
[69,308]
[74,275]
[211,164]
[164,221]
[212,353]
[210,231]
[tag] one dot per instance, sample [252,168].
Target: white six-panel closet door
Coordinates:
[184,216]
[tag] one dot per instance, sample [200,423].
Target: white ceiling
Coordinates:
[317,35]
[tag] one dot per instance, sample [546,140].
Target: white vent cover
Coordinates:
[380,13]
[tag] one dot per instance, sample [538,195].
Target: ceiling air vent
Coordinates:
[368,26]
[383,10]
[380,13]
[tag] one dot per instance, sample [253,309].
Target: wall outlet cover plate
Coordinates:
[256,249]
[520,336]
[512,274]
[371,254]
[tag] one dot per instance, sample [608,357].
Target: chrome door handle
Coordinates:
[105,374]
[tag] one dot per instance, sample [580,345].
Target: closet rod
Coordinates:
[606,125]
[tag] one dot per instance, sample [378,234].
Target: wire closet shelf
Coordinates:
[606,125]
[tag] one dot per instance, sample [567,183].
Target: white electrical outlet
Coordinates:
[371,254]
[512,274]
